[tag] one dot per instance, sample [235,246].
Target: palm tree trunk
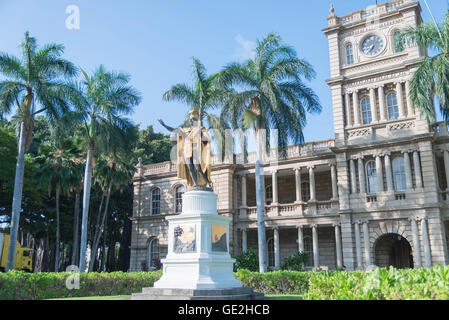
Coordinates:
[76,222]
[17,198]
[86,199]
[100,229]
[58,189]
[103,260]
[95,232]
[260,201]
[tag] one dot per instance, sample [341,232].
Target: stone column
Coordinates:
[409,101]
[300,239]
[244,240]
[243,191]
[358,247]
[298,184]
[380,178]
[338,245]
[416,244]
[367,244]
[334,180]
[274,184]
[316,253]
[400,99]
[362,180]
[353,176]
[372,97]
[417,166]
[348,110]
[446,167]
[382,103]
[277,259]
[426,242]
[388,172]
[355,99]
[312,183]
[408,171]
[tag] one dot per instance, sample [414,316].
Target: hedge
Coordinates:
[19,285]
[380,284]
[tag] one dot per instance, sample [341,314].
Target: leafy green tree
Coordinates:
[296,261]
[58,169]
[35,83]
[432,76]
[106,99]
[152,147]
[247,260]
[116,171]
[268,92]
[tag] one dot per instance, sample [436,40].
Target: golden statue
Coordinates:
[194,153]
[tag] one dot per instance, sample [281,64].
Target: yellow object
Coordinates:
[194,114]
[185,150]
[24,256]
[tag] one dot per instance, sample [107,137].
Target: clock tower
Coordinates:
[370,73]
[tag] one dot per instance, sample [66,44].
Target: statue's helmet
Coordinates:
[194,114]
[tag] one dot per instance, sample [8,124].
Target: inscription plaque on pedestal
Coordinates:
[219,241]
[184,238]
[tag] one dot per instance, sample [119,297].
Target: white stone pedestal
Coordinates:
[198,247]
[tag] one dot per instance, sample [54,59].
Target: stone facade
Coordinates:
[377,194]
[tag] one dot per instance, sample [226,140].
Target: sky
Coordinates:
[154,41]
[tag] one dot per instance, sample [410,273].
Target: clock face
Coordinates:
[372,45]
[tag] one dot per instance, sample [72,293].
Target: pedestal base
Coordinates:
[198,294]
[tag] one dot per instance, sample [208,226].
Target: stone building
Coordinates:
[376,194]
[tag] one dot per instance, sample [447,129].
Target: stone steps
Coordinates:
[197,294]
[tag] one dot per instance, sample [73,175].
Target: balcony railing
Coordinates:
[291,153]
[372,12]
[311,208]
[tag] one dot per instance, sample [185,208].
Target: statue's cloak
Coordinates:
[186,145]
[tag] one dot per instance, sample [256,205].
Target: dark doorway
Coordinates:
[393,250]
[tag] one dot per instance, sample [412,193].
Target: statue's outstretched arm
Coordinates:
[165,126]
[177,130]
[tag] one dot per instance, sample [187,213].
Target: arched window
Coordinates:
[153,254]
[398,46]
[179,191]
[371,177]
[366,110]
[399,174]
[155,201]
[269,194]
[308,247]
[349,53]
[270,251]
[305,191]
[392,104]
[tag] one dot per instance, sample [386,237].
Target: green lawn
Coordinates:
[126,297]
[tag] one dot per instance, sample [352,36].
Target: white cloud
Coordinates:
[245,50]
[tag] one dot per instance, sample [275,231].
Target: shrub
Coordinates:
[276,282]
[18,285]
[247,260]
[296,261]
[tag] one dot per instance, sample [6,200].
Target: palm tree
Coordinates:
[58,170]
[112,170]
[205,96]
[432,76]
[269,93]
[35,83]
[106,98]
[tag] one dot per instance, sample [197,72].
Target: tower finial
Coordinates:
[332,10]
